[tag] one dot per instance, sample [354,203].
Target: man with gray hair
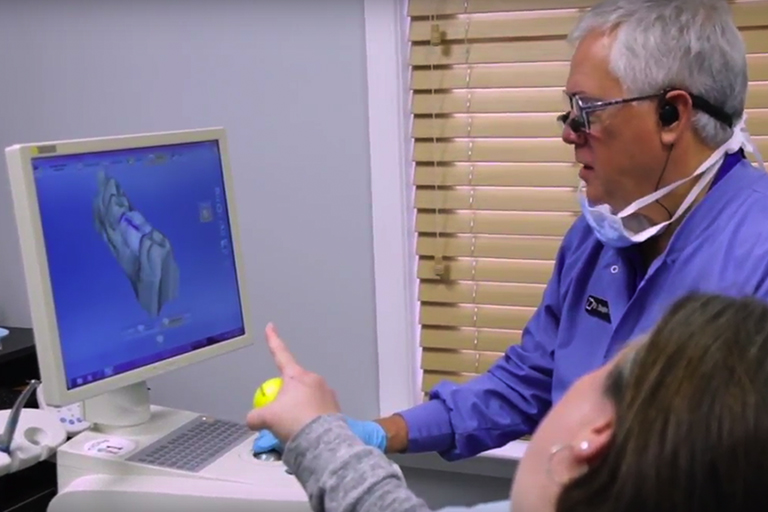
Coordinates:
[670,205]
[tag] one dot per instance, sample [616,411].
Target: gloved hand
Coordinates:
[369,432]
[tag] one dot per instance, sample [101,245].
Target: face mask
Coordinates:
[628,227]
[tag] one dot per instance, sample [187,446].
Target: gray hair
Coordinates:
[689,44]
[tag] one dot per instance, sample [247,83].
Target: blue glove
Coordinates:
[369,432]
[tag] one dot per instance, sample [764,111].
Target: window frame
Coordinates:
[394,233]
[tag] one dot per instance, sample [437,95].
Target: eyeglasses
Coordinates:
[578,118]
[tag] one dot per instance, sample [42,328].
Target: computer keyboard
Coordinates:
[193,446]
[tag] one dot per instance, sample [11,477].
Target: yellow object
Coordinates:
[267,392]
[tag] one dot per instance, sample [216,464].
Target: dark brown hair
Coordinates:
[691,432]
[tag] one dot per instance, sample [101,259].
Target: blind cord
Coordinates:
[436,39]
[471,181]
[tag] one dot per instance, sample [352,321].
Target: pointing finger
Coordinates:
[283,358]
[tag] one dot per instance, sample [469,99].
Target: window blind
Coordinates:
[494,184]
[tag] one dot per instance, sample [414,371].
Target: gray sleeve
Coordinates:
[493,506]
[341,474]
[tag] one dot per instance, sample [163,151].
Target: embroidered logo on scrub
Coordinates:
[598,308]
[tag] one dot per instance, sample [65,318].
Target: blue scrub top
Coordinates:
[598,299]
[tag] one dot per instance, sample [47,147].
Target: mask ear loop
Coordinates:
[746,140]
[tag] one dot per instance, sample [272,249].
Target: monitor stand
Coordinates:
[115,410]
[95,470]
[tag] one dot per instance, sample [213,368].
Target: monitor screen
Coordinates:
[140,256]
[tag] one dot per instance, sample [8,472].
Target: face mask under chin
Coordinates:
[637,223]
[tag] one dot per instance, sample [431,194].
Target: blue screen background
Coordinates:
[180,192]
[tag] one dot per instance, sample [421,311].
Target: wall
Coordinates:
[287,79]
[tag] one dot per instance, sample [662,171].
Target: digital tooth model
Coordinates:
[144,253]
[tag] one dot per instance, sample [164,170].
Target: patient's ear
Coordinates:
[570,461]
[591,444]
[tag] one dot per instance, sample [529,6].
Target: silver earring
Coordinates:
[563,471]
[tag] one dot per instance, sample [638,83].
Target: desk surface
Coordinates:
[19,342]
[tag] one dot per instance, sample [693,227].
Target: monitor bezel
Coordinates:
[38,285]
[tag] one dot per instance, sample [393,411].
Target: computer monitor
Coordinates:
[132,263]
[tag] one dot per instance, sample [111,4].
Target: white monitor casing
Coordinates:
[30,232]
[118,407]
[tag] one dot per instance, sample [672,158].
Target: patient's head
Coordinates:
[676,421]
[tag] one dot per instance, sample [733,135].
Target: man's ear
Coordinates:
[679,102]
[593,441]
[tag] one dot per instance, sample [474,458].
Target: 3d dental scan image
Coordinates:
[145,254]
[140,255]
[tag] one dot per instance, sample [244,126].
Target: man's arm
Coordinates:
[497,407]
[397,433]
[504,404]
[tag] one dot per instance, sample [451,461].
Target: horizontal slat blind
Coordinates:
[495,185]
